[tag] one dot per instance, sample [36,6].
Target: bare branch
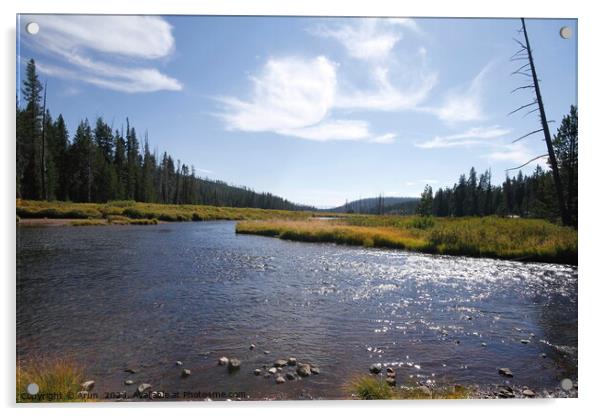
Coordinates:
[520,43]
[525,164]
[527,135]
[521,107]
[522,88]
[518,52]
[532,111]
[521,73]
[521,68]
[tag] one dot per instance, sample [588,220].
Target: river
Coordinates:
[144,297]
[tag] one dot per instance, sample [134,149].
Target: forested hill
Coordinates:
[100,164]
[379,205]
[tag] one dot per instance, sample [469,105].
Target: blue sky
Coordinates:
[317,110]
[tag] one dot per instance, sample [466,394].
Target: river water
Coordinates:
[144,297]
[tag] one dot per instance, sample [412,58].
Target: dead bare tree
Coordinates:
[528,69]
[43,164]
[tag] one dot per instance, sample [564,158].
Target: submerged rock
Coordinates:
[280,380]
[130,370]
[185,372]
[88,385]
[303,370]
[314,370]
[290,376]
[179,363]
[391,381]
[223,361]
[273,370]
[257,371]
[376,368]
[233,364]
[292,361]
[280,363]
[128,382]
[505,372]
[252,346]
[525,341]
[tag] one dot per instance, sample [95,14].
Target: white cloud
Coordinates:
[463,104]
[516,153]
[294,97]
[126,41]
[368,38]
[387,97]
[473,136]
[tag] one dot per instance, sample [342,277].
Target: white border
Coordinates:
[589,275]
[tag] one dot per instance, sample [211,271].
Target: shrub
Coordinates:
[371,388]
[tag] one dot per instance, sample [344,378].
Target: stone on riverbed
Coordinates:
[280,380]
[528,393]
[525,341]
[314,370]
[233,364]
[130,370]
[88,385]
[223,361]
[252,346]
[179,363]
[391,381]
[143,387]
[257,371]
[280,363]
[376,368]
[185,372]
[290,376]
[303,370]
[505,372]
[128,382]
[273,370]
[292,361]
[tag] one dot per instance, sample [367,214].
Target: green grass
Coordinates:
[494,237]
[130,210]
[370,387]
[58,381]
[80,223]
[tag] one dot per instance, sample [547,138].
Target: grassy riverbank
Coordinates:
[57,381]
[504,238]
[130,212]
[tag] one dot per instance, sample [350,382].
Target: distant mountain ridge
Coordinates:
[379,205]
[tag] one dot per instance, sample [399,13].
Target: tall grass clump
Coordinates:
[58,381]
[371,388]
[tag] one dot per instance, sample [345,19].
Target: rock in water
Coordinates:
[273,370]
[292,361]
[179,363]
[280,380]
[528,393]
[280,363]
[257,371]
[376,368]
[391,381]
[88,385]
[525,341]
[128,382]
[233,364]
[303,370]
[223,361]
[314,370]
[144,387]
[130,370]
[290,376]
[390,372]
[185,372]
[505,372]
[252,346]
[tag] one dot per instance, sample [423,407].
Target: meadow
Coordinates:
[140,213]
[494,237]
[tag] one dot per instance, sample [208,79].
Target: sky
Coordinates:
[317,110]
